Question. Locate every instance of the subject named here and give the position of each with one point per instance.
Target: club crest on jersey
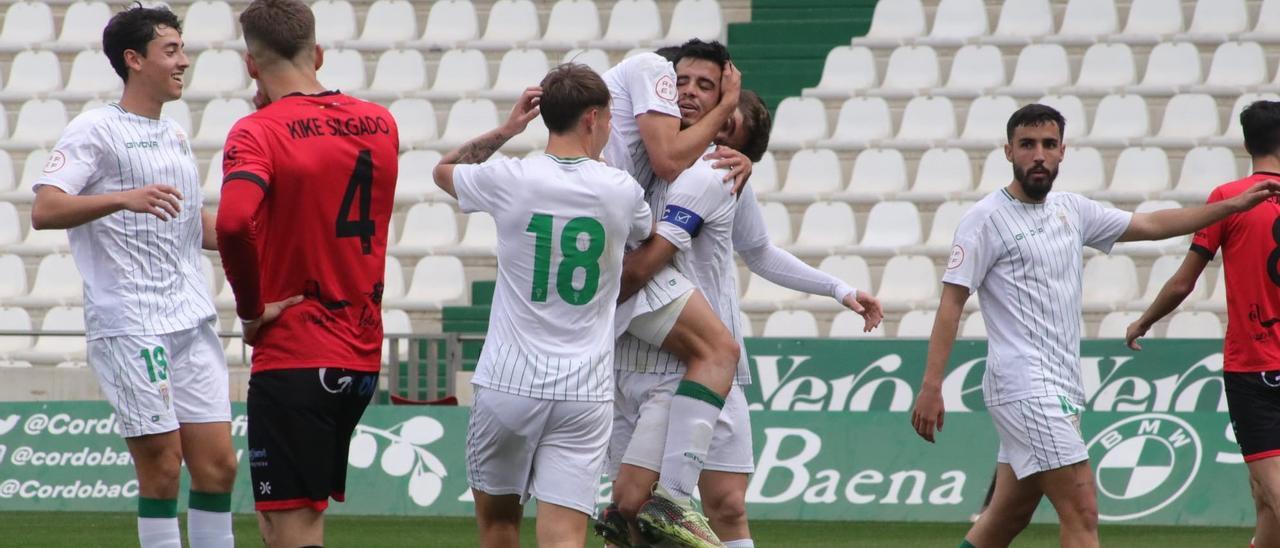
(1144, 463)
(957, 257)
(665, 88)
(57, 160)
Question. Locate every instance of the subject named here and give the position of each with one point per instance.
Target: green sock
(966, 544)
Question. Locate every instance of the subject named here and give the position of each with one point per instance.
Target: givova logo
(403, 453)
(1143, 464)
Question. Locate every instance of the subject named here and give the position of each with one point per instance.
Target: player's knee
(159, 469)
(1082, 514)
(727, 511)
(215, 474)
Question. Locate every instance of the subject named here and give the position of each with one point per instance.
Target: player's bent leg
(724, 499)
(560, 527)
(293, 528)
(498, 518)
(1264, 478)
(1012, 504)
(211, 461)
(1071, 490)
(704, 344)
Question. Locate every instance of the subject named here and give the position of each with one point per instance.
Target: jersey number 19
(572, 259)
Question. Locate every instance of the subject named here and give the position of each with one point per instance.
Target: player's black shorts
(300, 426)
(1253, 400)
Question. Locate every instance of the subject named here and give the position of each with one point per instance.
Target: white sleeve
(1100, 226)
(692, 200)
(641, 226)
(749, 230)
(651, 84)
(74, 159)
(772, 263)
(479, 186)
(973, 252)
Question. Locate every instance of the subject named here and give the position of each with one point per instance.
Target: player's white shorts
(641, 405)
(652, 312)
(155, 382)
(551, 450)
(1038, 434)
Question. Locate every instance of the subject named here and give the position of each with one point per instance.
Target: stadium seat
(908, 281)
(812, 174)
(1039, 66)
(392, 279)
(211, 189)
(217, 24)
(427, 228)
(976, 69)
(942, 172)
(850, 269)
(343, 69)
(335, 21)
(386, 23)
(1217, 300)
(1162, 269)
(1105, 68)
(1189, 118)
(218, 72)
(1118, 120)
(764, 174)
(179, 111)
(1234, 135)
(57, 283)
(1203, 168)
(825, 227)
(893, 22)
(26, 23)
(1171, 67)
(520, 68)
(42, 242)
(877, 173)
(631, 24)
(791, 324)
(437, 280)
(848, 325)
(416, 119)
(51, 349)
(1085, 22)
(1072, 109)
(1175, 245)
(461, 71)
(974, 326)
(595, 58)
(32, 168)
(572, 23)
(956, 21)
(91, 76)
(1139, 172)
(450, 24)
(1115, 324)
(911, 69)
(1268, 27)
(846, 70)
(762, 294)
(32, 72)
(13, 274)
(1214, 21)
(399, 72)
(1150, 21)
(799, 122)
(532, 141)
(10, 225)
(468, 119)
(997, 173)
(942, 232)
(985, 125)
(8, 184)
(1021, 22)
(1081, 171)
(925, 121)
(82, 26)
(416, 182)
(1108, 281)
(1194, 325)
(891, 225)
(695, 19)
(777, 221)
(1235, 65)
(862, 122)
(395, 323)
(511, 22)
(480, 237)
(916, 324)
(40, 123)
(216, 120)
(14, 319)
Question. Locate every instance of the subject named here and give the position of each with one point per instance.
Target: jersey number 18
(573, 258)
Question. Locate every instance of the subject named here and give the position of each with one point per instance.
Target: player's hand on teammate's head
(730, 85)
(524, 111)
(163, 201)
(737, 163)
(867, 306)
(928, 413)
(1135, 331)
(270, 313)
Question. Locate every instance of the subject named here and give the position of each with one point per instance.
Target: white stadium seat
(1139, 172)
(862, 122)
(1217, 300)
(211, 188)
(343, 69)
(427, 228)
(1022, 21)
(1105, 68)
(13, 274)
(975, 70)
(480, 236)
(10, 225)
(572, 23)
(799, 122)
(26, 23)
(1194, 325)
(1203, 168)
(1039, 66)
(416, 119)
(893, 22)
(791, 324)
(14, 319)
(1081, 171)
(461, 71)
(1086, 22)
(926, 120)
(42, 242)
(520, 68)
(511, 22)
(764, 174)
(941, 173)
(33, 72)
(997, 172)
(216, 120)
(57, 283)
(877, 172)
(1234, 136)
(1161, 270)
(180, 112)
(386, 23)
(1151, 20)
(777, 221)
(32, 169)
(631, 24)
(395, 322)
(437, 280)
(399, 72)
(1268, 26)
(850, 269)
(974, 326)
(40, 123)
(812, 173)
(695, 19)
(91, 76)
(218, 72)
(910, 70)
(1118, 120)
(416, 182)
(908, 281)
(392, 279)
(891, 225)
(825, 227)
(762, 294)
(51, 349)
(1108, 281)
(1235, 65)
(595, 58)
(846, 70)
(1072, 109)
(1215, 20)
(82, 25)
(1175, 245)
(955, 21)
(468, 119)
(1115, 324)
(335, 20)
(1170, 67)
(848, 325)
(1189, 118)
(450, 24)
(216, 24)
(942, 232)
(985, 125)
(916, 324)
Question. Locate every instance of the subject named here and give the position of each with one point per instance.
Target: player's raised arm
(481, 148)
(929, 411)
(1167, 223)
(672, 150)
(1171, 295)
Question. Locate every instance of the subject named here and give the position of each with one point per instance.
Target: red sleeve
(245, 156)
(247, 172)
(1208, 239)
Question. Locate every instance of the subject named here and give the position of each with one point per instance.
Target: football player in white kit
(1021, 248)
(123, 180)
(544, 384)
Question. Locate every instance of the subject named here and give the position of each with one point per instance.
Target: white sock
(159, 533)
(740, 543)
(209, 529)
(688, 436)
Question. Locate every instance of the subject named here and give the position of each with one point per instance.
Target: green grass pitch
(60, 530)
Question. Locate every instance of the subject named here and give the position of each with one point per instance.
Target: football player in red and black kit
(1250, 244)
(302, 229)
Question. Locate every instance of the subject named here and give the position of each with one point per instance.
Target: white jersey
(642, 83)
(1024, 260)
(562, 225)
(703, 220)
(142, 275)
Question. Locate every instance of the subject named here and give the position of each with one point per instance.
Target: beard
(1033, 188)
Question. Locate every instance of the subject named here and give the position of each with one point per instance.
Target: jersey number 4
(361, 180)
(573, 257)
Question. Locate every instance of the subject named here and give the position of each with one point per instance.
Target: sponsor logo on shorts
(1143, 464)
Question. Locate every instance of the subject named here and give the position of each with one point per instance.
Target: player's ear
(319, 56)
(251, 65)
(1008, 152)
(133, 59)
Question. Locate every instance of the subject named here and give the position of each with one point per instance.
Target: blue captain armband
(688, 221)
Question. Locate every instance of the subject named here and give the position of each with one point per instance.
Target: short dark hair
(282, 27)
(1261, 124)
(712, 51)
(757, 123)
(670, 53)
(568, 91)
(133, 29)
(1034, 115)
